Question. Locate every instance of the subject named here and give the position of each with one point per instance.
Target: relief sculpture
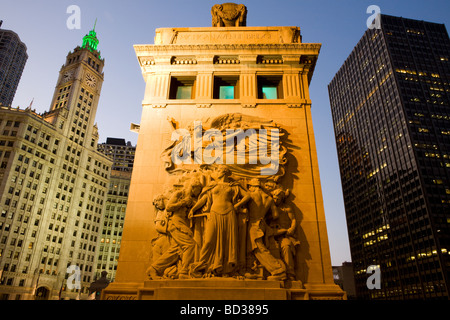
(221, 220)
(228, 132)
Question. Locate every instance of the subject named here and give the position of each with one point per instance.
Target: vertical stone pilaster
(248, 87)
(304, 86)
(291, 86)
(203, 86)
(158, 88)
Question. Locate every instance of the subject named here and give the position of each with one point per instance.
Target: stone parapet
(228, 35)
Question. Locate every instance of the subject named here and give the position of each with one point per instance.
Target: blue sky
(338, 25)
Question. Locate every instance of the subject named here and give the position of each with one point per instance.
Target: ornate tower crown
(90, 40)
(229, 15)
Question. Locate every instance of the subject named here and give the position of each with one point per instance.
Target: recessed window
(182, 88)
(270, 87)
(226, 87)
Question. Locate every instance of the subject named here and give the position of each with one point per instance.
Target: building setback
(13, 56)
(391, 114)
(53, 186)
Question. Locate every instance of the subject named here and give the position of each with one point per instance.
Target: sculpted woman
(219, 252)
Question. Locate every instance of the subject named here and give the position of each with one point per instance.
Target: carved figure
(229, 15)
(259, 208)
(199, 220)
(285, 227)
(162, 241)
(223, 198)
(182, 236)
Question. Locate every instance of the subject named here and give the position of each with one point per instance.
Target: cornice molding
(148, 48)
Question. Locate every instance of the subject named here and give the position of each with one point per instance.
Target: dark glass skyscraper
(13, 56)
(390, 104)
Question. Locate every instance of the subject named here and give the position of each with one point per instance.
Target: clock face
(90, 80)
(67, 76)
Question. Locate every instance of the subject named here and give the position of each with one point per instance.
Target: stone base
(221, 289)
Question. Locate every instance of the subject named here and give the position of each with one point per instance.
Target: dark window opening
(182, 88)
(270, 87)
(226, 87)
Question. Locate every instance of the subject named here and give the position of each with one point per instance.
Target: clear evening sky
(338, 25)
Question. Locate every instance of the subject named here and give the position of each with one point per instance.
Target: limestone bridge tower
(228, 76)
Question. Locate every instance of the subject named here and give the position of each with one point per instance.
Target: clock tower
(77, 91)
(62, 192)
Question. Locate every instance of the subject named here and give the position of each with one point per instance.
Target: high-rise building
(13, 56)
(122, 154)
(390, 104)
(53, 186)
